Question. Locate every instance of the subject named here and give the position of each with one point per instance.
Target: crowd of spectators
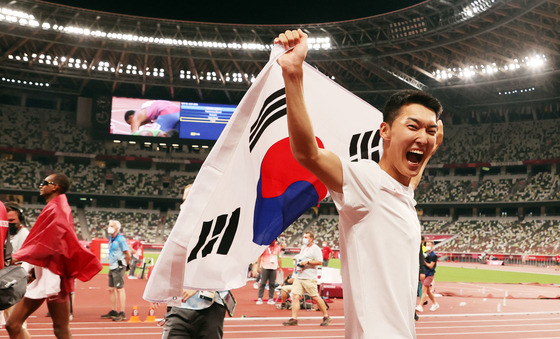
(85, 178)
(141, 224)
(541, 186)
(325, 228)
(20, 175)
(498, 235)
(45, 129)
(32, 212)
(500, 142)
(91, 179)
(507, 235)
(137, 182)
(487, 136)
(292, 236)
(178, 181)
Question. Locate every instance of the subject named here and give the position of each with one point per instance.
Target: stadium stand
(500, 157)
(141, 224)
(498, 235)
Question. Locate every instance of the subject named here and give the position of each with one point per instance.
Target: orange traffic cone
(151, 316)
(135, 318)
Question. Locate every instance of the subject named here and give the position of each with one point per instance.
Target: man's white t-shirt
(379, 241)
(308, 253)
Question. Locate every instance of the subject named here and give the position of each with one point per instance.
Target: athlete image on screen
(161, 114)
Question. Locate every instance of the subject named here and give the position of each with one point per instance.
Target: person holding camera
(119, 263)
(308, 259)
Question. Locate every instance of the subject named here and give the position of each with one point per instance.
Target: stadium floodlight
(24, 19)
(475, 8)
(517, 91)
(535, 61)
(492, 68)
(25, 82)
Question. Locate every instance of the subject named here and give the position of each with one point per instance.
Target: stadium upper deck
(466, 52)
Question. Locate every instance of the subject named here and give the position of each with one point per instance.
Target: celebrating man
(379, 227)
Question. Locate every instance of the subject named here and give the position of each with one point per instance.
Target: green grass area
(153, 255)
(444, 273)
(459, 274)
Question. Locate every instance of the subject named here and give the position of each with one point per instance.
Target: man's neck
(393, 173)
(51, 197)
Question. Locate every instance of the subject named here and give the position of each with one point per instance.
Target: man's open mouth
(415, 156)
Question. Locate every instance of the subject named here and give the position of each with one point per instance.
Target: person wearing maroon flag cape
(53, 248)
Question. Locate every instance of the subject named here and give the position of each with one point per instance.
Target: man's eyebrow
(419, 122)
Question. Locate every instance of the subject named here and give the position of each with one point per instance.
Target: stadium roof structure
(466, 52)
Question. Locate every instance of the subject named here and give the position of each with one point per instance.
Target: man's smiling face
(408, 142)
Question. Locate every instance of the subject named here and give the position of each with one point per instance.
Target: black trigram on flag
(273, 108)
(220, 231)
(365, 146)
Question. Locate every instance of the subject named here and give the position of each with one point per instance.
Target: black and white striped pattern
(274, 107)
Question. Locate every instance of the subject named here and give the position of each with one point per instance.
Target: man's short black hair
(62, 181)
(128, 114)
(407, 97)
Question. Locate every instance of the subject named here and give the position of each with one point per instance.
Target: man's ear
(385, 131)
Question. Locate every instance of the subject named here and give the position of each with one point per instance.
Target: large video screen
(173, 119)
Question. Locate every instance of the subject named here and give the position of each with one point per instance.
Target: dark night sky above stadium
(246, 12)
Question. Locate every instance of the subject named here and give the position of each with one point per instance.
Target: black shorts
(116, 277)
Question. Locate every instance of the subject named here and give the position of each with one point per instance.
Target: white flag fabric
(250, 188)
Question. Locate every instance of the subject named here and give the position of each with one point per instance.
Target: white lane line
(278, 318)
(500, 314)
(307, 336)
(488, 326)
(440, 321)
(447, 334)
(280, 324)
(104, 334)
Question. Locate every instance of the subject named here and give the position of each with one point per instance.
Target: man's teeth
(417, 152)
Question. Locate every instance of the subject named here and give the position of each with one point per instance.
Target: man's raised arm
(325, 165)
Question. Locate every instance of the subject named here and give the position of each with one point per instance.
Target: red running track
(480, 311)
